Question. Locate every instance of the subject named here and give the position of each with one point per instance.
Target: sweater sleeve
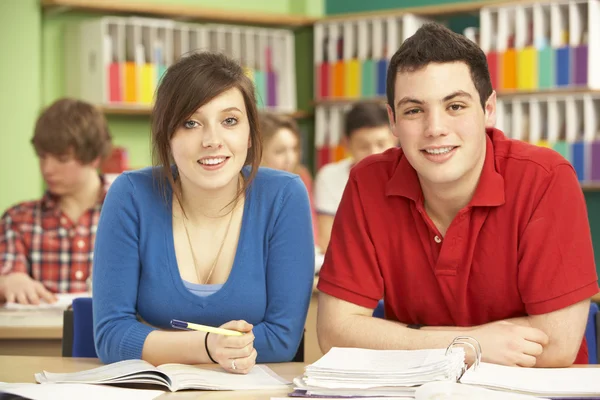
(290, 275)
(116, 273)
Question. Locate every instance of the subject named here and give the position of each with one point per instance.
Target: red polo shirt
(522, 246)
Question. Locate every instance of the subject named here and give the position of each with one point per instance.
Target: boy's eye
(456, 107)
(412, 111)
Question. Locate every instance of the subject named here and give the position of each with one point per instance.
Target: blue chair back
(379, 311)
(83, 328)
(591, 334)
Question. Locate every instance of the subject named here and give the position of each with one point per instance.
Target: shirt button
(79, 275)
(80, 243)
(437, 239)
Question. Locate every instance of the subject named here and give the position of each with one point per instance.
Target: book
(174, 377)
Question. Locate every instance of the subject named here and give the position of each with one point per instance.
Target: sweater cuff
(133, 341)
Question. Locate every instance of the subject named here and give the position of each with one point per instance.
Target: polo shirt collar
(490, 189)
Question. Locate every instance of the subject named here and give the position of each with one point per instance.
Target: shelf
(184, 12)
(333, 101)
(147, 110)
(567, 91)
(504, 94)
(590, 187)
(445, 9)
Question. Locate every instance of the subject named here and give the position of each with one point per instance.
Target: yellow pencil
(175, 323)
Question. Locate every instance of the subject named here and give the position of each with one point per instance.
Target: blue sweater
(135, 269)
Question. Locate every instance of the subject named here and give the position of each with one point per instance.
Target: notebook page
(550, 382)
(456, 391)
(102, 374)
(78, 391)
(189, 376)
(381, 361)
(63, 302)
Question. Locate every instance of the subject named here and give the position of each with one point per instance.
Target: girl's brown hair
(187, 85)
(271, 123)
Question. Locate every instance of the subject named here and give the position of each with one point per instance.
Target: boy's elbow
(557, 358)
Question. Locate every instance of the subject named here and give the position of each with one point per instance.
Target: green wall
(20, 27)
(351, 6)
(32, 77)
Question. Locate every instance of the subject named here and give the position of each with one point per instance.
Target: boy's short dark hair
(434, 43)
(73, 124)
(365, 114)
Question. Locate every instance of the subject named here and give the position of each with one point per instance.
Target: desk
(22, 369)
(31, 332)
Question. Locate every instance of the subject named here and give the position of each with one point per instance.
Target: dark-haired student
(462, 231)
(206, 236)
(46, 245)
(366, 132)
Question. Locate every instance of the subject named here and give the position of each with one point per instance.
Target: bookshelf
(461, 7)
(188, 13)
(504, 94)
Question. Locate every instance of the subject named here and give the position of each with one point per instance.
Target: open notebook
(172, 376)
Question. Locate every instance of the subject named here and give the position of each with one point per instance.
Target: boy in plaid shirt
(46, 245)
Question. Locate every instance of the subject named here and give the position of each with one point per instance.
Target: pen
(175, 323)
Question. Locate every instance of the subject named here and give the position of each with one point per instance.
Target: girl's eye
(190, 124)
(231, 121)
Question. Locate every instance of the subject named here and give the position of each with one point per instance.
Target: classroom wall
(20, 27)
(350, 6)
(33, 78)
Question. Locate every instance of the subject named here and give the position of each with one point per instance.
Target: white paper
(63, 302)
(78, 391)
(550, 382)
(457, 391)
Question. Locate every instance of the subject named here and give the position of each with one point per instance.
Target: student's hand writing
(18, 287)
(507, 343)
(234, 353)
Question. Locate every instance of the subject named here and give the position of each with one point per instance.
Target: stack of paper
(363, 372)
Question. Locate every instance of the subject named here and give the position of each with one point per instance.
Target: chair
(78, 332)
(379, 311)
(592, 333)
(78, 329)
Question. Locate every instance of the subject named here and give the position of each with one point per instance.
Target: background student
(205, 236)
(367, 132)
(281, 150)
(46, 245)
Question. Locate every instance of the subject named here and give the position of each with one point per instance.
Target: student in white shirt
(367, 132)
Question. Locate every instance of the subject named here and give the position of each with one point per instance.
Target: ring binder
(473, 344)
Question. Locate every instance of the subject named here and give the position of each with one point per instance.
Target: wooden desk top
(31, 324)
(23, 368)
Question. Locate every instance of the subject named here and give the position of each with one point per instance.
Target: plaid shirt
(37, 238)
